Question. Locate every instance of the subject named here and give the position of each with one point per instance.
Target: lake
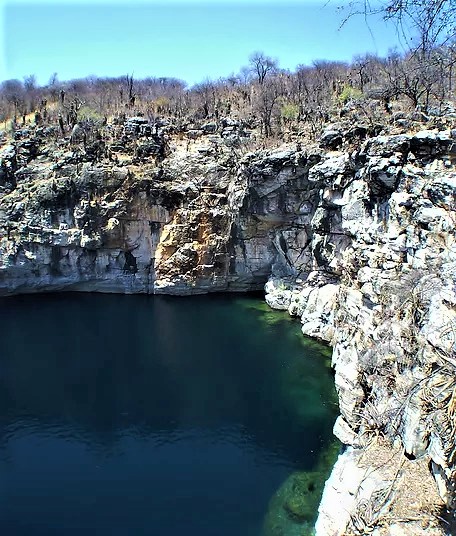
(154, 415)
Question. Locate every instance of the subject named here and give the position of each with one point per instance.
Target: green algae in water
(273, 317)
(304, 394)
(299, 389)
(323, 349)
(294, 507)
(265, 314)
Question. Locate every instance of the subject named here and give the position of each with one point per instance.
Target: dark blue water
(134, 415)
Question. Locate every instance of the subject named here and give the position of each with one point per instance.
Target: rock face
(360, 245)
(382, 292)
(87, 227)
(194, 224)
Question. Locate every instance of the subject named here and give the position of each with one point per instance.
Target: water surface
(135, 415)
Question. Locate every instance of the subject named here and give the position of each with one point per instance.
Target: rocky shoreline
(390, 317)
(358, 242)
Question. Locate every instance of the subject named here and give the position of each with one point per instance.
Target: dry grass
(411, 504)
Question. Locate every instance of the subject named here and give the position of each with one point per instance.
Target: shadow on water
(155, 415)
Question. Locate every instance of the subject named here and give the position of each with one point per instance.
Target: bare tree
(30, 88)
(432, 21)
(206, 96)
(429, 25)
(265, 102)
(131, 93)
(53, 86)
(13, 92)
(72, 110)
(262, 65)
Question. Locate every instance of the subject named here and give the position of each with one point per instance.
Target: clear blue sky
(186, 39)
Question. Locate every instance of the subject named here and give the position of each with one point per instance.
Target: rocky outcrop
(197, 222)
(383, 294)
(358, 243)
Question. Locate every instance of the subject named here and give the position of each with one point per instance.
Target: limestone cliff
(358, 243)
(199, 221)
(383, 294)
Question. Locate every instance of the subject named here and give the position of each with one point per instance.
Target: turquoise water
(135, 415)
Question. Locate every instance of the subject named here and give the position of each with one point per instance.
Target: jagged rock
(358, 494)
(134, 125)
(331, 139)
(317, 311)
(383, 174)
(387, 146)
(209, 128)
(344, 433)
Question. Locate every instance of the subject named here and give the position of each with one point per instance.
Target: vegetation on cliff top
(273, 102)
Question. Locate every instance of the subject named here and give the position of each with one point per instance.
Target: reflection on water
(143, 415)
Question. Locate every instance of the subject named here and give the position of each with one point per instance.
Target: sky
(192, 40)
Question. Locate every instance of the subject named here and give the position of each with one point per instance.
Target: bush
(350, 93)
(89, 115)
(289, 111)
(161, 104)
